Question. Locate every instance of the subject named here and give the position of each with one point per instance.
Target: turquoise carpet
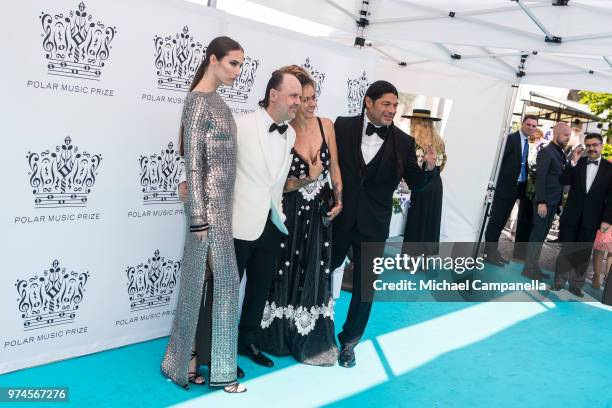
(414, 354)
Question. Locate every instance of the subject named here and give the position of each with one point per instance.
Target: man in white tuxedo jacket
(264, 143)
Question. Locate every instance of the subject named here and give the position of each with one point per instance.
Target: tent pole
(212, 3)
(533, 18)
(362, 22)
(495, 171)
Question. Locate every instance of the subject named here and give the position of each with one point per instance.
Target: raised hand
(430, 157)
(577, 153)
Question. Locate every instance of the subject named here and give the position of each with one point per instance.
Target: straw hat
(421, 114)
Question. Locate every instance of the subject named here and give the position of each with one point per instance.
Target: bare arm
(334, 166)
(293, 184)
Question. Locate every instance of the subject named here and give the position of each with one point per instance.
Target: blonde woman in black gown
(425, 212)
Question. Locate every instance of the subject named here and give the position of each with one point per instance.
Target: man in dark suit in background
(374, 156)
(548, 195)
(588, 207)
(510, 187)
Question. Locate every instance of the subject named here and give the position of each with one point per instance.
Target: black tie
(380, 131)
(595, 162)
(281, 128)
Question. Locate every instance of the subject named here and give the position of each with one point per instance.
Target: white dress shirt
(370, 145)
(276, 145)
(591, 172)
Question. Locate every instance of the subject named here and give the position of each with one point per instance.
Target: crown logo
(177, 58)
(52, 298)
(62, 178)
(356, 89)
(316, 75)
(160, 175)
(240, 90)
(76, 45)
(151, 284)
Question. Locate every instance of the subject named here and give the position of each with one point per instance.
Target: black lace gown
(298, 319)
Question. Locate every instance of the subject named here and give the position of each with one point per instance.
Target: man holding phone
(588, 207)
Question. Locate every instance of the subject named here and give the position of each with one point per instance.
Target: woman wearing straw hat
(425, 213)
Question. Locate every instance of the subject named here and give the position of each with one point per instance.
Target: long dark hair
(375, 91)
(219, 47)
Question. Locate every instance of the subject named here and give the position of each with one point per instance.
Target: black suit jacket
(584, 209)
(368, 190)
(549, 166)
(510, 168)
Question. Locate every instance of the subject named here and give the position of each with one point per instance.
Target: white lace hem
(303, 318)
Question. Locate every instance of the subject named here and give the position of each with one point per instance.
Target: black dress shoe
(239, 372)
(347, 356)
(495, 259)
(496, 255)
(577, 292)
(253, 352)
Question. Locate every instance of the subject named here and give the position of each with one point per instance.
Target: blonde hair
(537, 135)
(425, 133)
(300, 73)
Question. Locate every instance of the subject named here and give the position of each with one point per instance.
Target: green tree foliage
(607, 151)
(599, 103)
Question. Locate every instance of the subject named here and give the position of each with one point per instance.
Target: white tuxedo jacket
(257, 191)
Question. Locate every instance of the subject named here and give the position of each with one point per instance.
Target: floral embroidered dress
(298, 318)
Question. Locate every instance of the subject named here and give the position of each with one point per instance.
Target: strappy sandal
(194, 376)
(235, 388)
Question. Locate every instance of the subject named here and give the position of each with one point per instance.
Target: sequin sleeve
(195, 125)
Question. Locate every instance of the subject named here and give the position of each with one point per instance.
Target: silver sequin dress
(210, 163)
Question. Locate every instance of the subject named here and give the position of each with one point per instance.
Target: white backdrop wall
(472, 134)
(91, 235)
(92, 264)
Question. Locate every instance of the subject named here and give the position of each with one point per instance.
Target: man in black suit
(374, 156)
(510, 187)
(588, 207)
(548, 195)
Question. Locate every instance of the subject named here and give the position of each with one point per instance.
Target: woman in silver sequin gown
(208, 142)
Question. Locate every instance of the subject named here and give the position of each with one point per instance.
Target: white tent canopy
(545, 44)
(473, 52)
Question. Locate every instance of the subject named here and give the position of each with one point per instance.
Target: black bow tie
(281, 128)
(595, 162)
(380, 131)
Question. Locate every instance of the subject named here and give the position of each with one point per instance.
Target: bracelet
(198, 228)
